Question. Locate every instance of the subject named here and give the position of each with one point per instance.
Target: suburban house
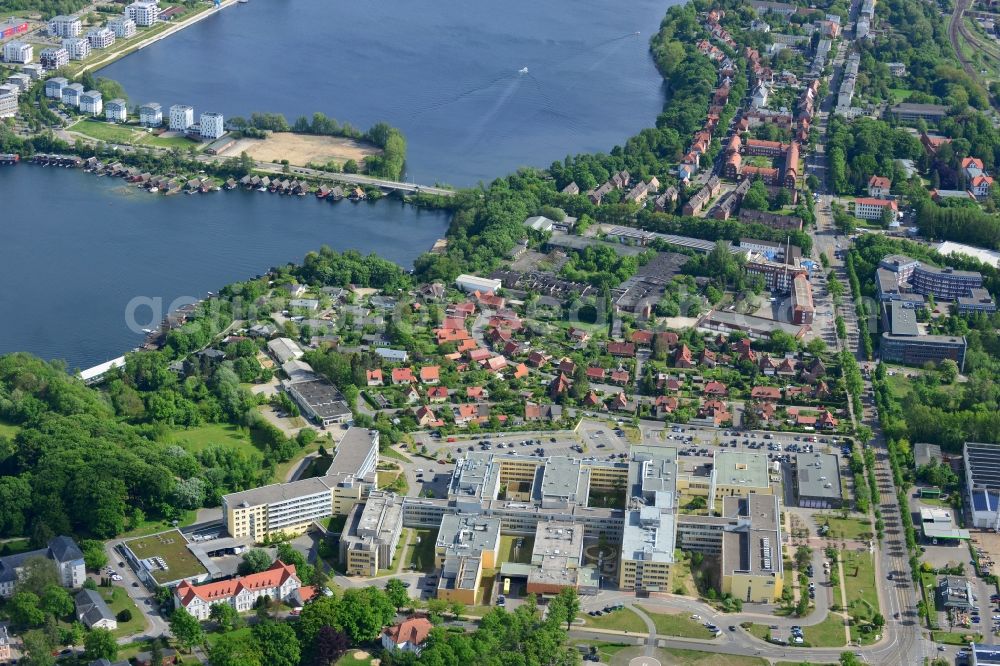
(93, 612)
(409, 635)
(878, 187)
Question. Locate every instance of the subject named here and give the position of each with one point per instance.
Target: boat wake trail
(462, 95)
(480, 127)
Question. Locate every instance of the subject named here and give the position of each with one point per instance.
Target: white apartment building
(8, 105)
(122, 26)
(279, 582)
(77, 48)
(54, 58)
(91, 102)
(18, 52)
(71, 94)
(212, 125)
(54, 87)
(34, 70)
(65, 26)
(21, 81)
(871, 209)
(116, 111)
(151, 115)
(100, 38)
(143, 12)
(181, 117)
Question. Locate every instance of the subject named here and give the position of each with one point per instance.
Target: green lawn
(761, 631)
(508, 552)
(102, 131)
(619, 620)
(201, 437)
(118, 600)
(9, 430)
(15, 546)
(168, 141)
(213, 637)
(349, 660)
(828, 633)
(859, 581)
(955, 637)
(421, 555)
(851, 528)
(605, 651)
(677, 624)
(679, 657)
(393, 453)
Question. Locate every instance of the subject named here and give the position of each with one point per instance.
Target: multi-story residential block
(54, 87)
(279, 582)
(20, 81)
(901, 265)
(71, 94)
(78, 48)
(919, 349)
(151, 115)
(290, 508)
(371, 534)
(116, 111)
(122, 26)
(944, 283)
(978, 300)
(17, 51)
(143, 12)
(62, 550)
(34, 70)
(8, 105)
(212, 124)
(868, 208)
(65, 26)
(91, 102)
(54, 58)
(100, 38)
(181, 117)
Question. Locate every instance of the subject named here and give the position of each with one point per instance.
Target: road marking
(644, 661)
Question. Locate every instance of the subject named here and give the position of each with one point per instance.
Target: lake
(445, 72)
(76, 249)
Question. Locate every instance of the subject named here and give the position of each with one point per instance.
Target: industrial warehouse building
(982, 480)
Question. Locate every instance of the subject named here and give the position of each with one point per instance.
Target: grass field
(761, 631)
(828, 633)
(859, 581)
(118, 600)
(172, 547)
(349, 659)
(102, 131)
(421, 555)
(201, 437)
(9, 429)
(840, 528)
(679, 657)
(619, 620)
(15, 546)
(677, 624)
(955, 637)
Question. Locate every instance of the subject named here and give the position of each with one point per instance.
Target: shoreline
(113, 57)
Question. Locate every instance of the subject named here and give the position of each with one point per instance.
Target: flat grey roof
(741, 468)
(322, 397)
(818, 475)
(903, 320)
(277, 492)
(468, 535)
(754, 547)
(353, 450)
(563, 477)
(743, 321)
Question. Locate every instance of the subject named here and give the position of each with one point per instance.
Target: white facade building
(100, 38)
(181, 117)
(34, 70)
(54, 87)
(21, 81)
(151, 115)
(122, 26)
(469, 283)
(54, 58)
(65, 26)
(8, 105)
(116, 111)
(279, 582)
(143, 12)
(212, 125)
(77, 48)
(871, 209)
(18, 52)
(91, 102)
(71, 94)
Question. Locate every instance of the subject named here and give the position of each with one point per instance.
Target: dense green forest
(47, 8)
